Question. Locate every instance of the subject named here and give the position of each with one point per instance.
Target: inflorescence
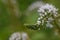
(47, 13)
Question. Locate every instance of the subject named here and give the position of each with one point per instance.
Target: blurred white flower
(41, 17)
(49, 25)
(50, 19)
(38, 28)
(42, 22)
(41, 10)
(15, 36)
(49, 9)
(24, 36)
(35, 5)
(19, 36)
(38, 22)
(45, 14)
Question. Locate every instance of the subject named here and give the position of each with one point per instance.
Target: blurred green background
(9, 23)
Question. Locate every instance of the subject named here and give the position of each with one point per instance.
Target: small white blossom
(38, 22)
(50, 19)
(19, 36)
(15, 36)
(42, 15)
(24, 36)
(35, 5)
(49, 25)
(45, 13)
(42, 22)
(49, 8)
(39, 18)
(41, 10)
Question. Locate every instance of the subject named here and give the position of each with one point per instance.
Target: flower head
(48, 7)
(15, 36)
(19, 36)
(47, 13)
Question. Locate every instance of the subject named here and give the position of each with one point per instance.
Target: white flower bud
(45, 13)
(42, 22)
(38, 22)
(39, 18)
(49, 25)
(50, 19)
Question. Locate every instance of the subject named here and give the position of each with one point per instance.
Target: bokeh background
(14, 14)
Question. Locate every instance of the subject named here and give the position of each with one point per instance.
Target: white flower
(39, 18)
(45, 13)
(49, 25)
(35, 5)
(44, 10)
(41, 14)
(50, 19)
(24, 36)
(49, 8)
(46, 6)
(41, 10)
(19, 36)
(38, 22)
(42, 22)
(15, 36)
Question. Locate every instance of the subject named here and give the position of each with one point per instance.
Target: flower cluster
(49, 8)
(15, 36)
(47, 13)
(18, 36)
(24, 36)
